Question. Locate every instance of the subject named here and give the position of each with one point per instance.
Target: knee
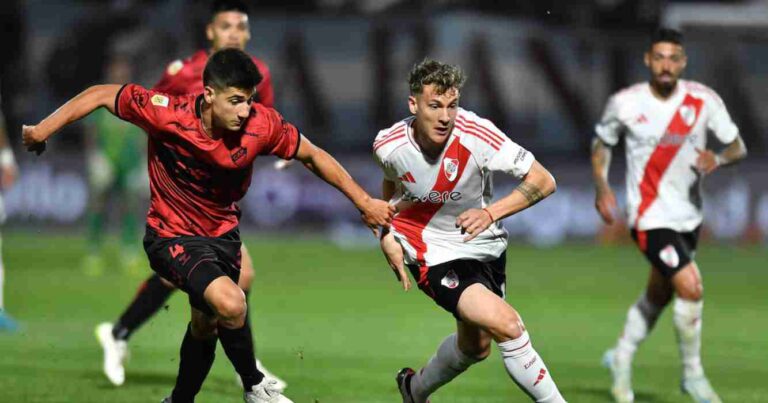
(509, 328)
(692, 293)
(231, 310)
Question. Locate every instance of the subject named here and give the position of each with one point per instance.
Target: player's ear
(647, 59)
(208, 93)
(412, 104)
(209, 32)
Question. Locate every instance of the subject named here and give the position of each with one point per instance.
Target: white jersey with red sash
(432, 193)
(662, 138)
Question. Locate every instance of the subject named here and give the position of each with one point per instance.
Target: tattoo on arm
(531, 192)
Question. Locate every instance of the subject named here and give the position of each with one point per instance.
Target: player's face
(666, 61)
(231, 106)
(229, 29)
(435, 113)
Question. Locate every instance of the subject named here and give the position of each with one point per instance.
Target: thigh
(446, 282)
(480, 307)
(189, 263)
(668, 251)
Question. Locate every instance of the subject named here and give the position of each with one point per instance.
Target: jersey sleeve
(264, 90)
(145, 108)
(510, 158)
(283, 139)
(720, 122)
(609, 128)
(387, 169)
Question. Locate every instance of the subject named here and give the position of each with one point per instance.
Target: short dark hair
(231, 68)
(667, 35)
(220, 6)
(443, 76)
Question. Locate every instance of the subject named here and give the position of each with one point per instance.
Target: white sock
(527, 369)
(687, 320)
(447, 363)
(641, 318)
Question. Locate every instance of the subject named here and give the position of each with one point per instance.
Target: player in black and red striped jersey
(228, 28)
(201, 150)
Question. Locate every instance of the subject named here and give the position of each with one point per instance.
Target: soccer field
(337, 327)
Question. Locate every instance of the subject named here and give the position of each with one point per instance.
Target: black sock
(150, 297)
(238, 345)
(248, 319)
(197, 357)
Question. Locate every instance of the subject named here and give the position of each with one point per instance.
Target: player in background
(437, 169)
(8, 174)
(228, 28)
(116, 160)
(665, 123)
(201, 153)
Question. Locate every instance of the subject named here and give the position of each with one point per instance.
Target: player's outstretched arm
(605, 200)
(537, 185)
(374, 212)
(76, 108)
(708, 161)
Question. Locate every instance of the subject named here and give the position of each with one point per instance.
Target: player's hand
(32, 139)
(472, 222)
(8, 177)
(706, 162)
(393, 251)
(377, 213)
(605, 203)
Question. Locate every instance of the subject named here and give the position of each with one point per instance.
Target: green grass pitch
(337, 327)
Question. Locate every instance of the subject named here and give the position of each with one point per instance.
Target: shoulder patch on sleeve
(174, 67)
(159, 100)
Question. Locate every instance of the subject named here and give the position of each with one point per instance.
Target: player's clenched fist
(32, 139)
(375, 212)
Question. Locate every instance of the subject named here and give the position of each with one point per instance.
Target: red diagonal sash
(674, 137)
(413, 221)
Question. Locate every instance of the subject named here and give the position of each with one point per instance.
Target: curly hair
(443, 76)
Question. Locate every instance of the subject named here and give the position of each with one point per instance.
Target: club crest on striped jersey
(669, 256)
(450, 168)
(451, 280)
(688, 113)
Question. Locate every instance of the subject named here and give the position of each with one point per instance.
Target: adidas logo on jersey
(407, 177)
(641, 119)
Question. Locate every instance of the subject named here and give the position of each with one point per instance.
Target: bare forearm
(733, 153)
(536, 186)
(77, 108)
(601, 162)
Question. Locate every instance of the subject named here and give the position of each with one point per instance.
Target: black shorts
(667, 250)
(445, 282)
(191, 263)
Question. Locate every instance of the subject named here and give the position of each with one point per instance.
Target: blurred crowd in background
(542, 70)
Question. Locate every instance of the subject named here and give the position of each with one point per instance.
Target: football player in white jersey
(665, 123)
(437, 168)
